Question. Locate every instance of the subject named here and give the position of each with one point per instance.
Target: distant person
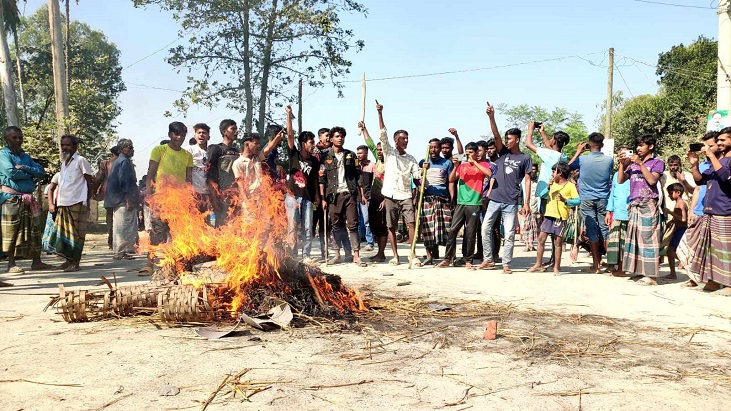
(100, 181)
(679, 217)
(122, 196)
(436, 211)
(642, 247)
(171, 163)
(199, 151)
(72, 211)
(561, 194)
(303, 184)
(401, 170)
(616, 219)
(512, 167)
(339, 175)
(708, 235)
(220, 176)
(19, 231)
(595, 173)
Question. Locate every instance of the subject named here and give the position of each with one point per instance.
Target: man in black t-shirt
(219, 176)
(303, 193)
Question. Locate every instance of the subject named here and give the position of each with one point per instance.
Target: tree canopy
(676, 114)
(96, 83)
(251, 53)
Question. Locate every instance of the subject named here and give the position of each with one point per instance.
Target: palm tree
(9, 20)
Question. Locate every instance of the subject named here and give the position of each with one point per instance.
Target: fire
(250, 247)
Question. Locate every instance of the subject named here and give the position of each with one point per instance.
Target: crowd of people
(627, 209)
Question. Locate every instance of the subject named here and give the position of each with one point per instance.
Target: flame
(249, 247)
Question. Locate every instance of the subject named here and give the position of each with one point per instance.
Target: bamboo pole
(418, 209)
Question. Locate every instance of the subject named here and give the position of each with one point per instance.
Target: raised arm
(368, 140)
(544, 137)
(272, 143)
(460, 148)
(290, 132)
(493, 127)
(529, 140)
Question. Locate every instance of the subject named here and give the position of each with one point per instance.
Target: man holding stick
(401, 168)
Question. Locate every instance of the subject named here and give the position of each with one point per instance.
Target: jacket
(328, 175)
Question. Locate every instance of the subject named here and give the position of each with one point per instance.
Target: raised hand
(379, 106)
(453, 131)
(490, 110)
(693, 158)
(288, 109)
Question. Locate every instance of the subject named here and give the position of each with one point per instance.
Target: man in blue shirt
(699, 194)
(595, 172)
(436, 213)
(19, 227)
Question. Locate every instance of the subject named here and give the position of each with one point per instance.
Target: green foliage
(558, 119)
(250, 53)
(677, 113)
(96, 83)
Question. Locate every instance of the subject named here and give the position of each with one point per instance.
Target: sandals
(723, 292)
(333, 261)
(443, 264)
(486, 265)
(4, 284)
(416, 262)
(689, 284)
(41, 267)
(360, 263)
(144, 272)
(536, 269)
(15, 270)
(635, 278)
(72, 268)
(394, 261)
(427, 262)
(507, 270)
(460, 262)
(646, 281)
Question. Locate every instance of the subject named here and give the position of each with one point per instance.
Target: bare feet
(689, 284)
(535, 268)
(556, 272)
(672, 276)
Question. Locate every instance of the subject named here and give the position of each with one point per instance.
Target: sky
(549, 54)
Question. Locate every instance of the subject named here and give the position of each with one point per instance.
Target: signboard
(718, 120)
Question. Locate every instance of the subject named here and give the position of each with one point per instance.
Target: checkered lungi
(71, 225)
(705, 250)
(20, 229)
(436, 218)
(642, 244)
(615, 247)
(530, 230)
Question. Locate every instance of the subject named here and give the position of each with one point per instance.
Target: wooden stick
(362, 102)
(214, 393)
(418, 212)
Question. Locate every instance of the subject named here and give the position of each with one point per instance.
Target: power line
(624, 81)
(155, 52)
(441, 73)
(693, 74)
(676, 5)
(152, 87)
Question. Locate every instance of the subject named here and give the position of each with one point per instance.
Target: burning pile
(251, 272)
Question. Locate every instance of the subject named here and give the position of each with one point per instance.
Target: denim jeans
(299, 223)
(364, 226)
(593, 212)
(508, 213)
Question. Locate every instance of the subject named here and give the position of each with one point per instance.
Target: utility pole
(61, 92)
(723, 81)
(299, 109)
(610, 86)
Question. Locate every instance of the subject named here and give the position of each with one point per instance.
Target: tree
(93, 96)
(557, 119)
(676, 114)
(251, 53)
(9, 19)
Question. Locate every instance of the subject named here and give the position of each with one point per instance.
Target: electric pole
(723, 81)
(610, 86)
(61, 92)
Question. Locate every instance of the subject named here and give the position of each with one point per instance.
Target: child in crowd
(680, 219)
(562, 193)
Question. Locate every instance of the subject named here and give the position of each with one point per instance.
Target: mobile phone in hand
(696, 147)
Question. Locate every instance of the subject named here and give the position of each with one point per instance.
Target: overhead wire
(624, 81)
(675, 4)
